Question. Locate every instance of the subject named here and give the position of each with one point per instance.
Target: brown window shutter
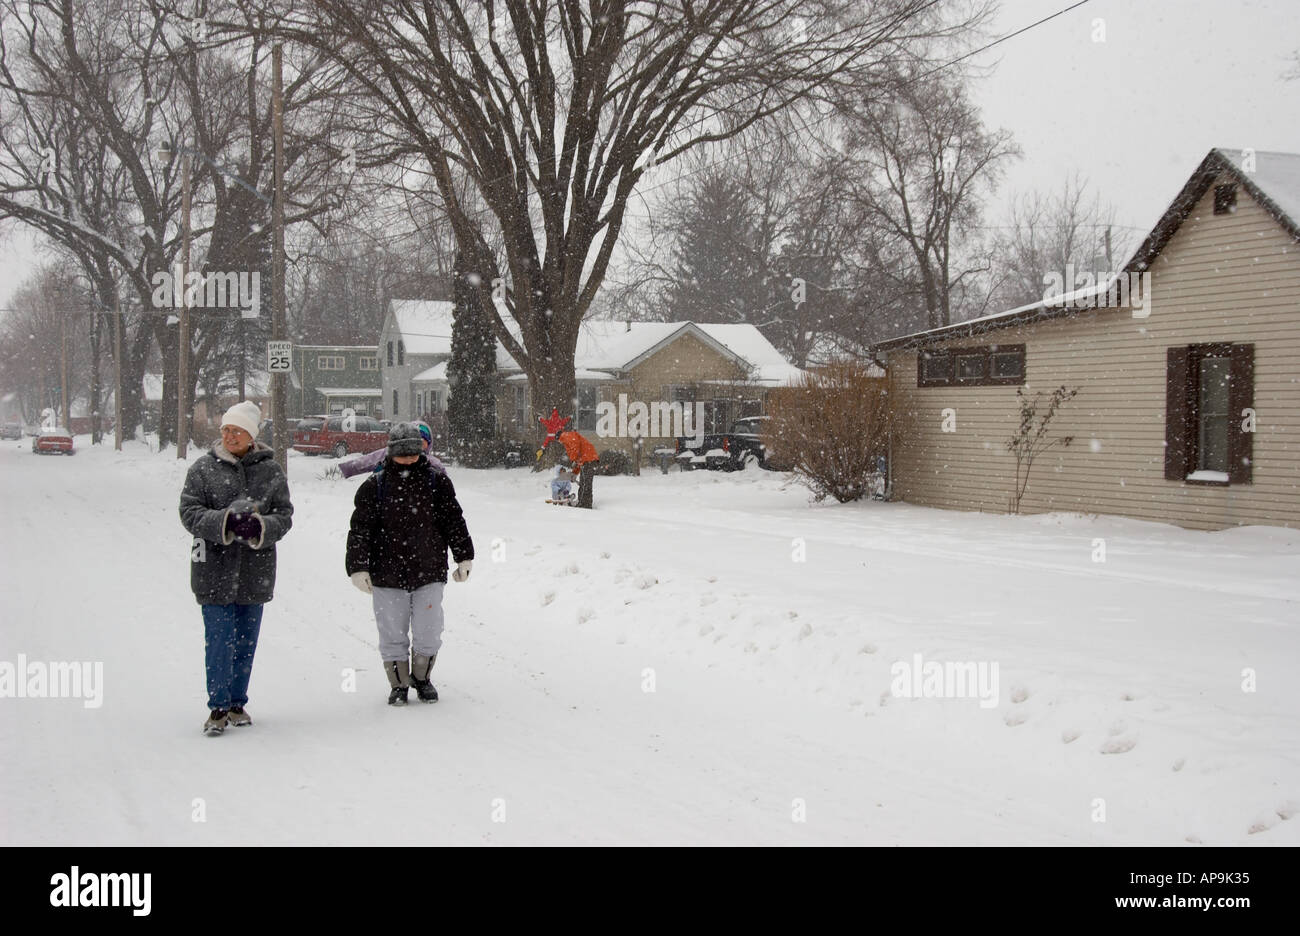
(1241, 395)
(1178, 441)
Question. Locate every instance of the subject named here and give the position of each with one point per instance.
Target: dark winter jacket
(405, 519)
(222, 569)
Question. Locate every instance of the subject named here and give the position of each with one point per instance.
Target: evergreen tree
(718, 271)
(471, 410)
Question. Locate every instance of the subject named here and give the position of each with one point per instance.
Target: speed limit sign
(278, 356)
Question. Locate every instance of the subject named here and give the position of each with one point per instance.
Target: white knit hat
(245, 415)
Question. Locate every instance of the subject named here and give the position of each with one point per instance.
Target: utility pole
(117, 376)
(279, 331)
(243, 352)
(1110, 261)
(183, 340)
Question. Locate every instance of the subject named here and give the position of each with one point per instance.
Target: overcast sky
(1134, 114)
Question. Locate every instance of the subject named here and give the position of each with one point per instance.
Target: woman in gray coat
(236, 506)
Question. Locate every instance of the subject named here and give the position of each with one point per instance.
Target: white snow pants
(408, 621)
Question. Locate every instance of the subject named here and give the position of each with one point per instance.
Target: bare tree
(47, 320)
(555, 109)
(1045, 234)
(921, 162)
(113, 82)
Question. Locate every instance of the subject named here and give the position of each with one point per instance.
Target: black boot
(421, 666)
(399, 676)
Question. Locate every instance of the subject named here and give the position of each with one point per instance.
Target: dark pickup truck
(728, 451)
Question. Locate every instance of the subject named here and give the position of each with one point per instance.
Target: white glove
(462, 570)
(362, 581)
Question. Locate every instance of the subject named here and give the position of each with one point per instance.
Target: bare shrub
(830, 427)
(1031, 440)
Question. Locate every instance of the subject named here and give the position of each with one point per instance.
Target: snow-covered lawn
(664, 669)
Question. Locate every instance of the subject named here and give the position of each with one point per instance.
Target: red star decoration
(554, 426)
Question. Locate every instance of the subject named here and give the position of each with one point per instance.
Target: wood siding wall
(1221, 278)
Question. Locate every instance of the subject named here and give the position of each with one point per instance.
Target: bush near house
(831, 426)
(510, 453)
(614, 462)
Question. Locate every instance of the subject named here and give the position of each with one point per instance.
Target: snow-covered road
(704, 659)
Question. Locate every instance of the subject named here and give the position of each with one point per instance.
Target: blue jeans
(229, 642)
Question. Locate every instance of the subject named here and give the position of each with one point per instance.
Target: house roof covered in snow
(608, 349)
(1273, 181)
(350, 391)
(425, 326)
(437, 372)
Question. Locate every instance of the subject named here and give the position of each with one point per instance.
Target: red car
(57, 439)
(317, 435)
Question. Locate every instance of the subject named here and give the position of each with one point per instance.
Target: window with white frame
(331, 362)
(370, 363)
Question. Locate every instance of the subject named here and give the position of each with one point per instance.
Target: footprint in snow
(868, 648)
(706, 600)
(1179, 764)
(1015, 718)
(1118, 745)
(1019, 694)
(1262, 823)
(547, 598)
(1070, 734)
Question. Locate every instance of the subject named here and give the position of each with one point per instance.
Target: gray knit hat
(405, 439)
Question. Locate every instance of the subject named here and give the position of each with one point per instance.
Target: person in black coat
(236, 505)
(405, 518)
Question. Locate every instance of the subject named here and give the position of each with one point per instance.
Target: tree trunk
(96, 424)
(167, 339)
(554, 387)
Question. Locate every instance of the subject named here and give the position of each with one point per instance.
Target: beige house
(727, 369)
(1188, 405)
(723, 372)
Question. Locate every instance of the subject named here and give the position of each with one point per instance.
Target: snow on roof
(747, 342)
(613, 346)
(437, 372)
(1051, 303)
(578, 374)
(425, 326)
(1277, 175)
(603, 346)
(350, 391)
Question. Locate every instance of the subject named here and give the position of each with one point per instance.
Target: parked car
(712, 452)
(53, 440)
(745, 440)
(11, 431)
(316, 435)
(729, 451)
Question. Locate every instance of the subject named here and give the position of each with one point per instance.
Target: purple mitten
(246, 527)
